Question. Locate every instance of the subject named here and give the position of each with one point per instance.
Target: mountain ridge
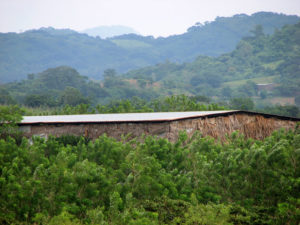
(36, 50)
(259, 59)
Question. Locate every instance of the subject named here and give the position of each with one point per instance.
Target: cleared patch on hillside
(283, 100)
(258, 80)
(271, 101)
(273, 65)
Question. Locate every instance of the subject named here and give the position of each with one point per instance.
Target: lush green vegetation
(64, 85)
(9, 118)
(172, 103)
(212, 38)
(63, 90)
(71, 180)
(258, 58)
(37, 50)
(179, 103)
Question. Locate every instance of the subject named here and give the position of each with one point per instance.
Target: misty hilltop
(36, 50)
(109, 31)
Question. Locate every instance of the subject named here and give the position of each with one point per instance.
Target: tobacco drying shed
(217, 124)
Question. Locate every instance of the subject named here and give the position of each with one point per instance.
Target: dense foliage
(36, 50)
(65, 86)
(180, 103)
(71, 100)
(10, 116)
(70, 180)
(211, 38)
(257, 58)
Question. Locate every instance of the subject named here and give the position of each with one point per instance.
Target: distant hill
(257, 59)
(36, 50)
(212, 38)
(109, 31)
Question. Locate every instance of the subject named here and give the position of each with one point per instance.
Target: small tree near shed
(9, 118)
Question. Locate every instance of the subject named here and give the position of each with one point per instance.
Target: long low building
(217, 124)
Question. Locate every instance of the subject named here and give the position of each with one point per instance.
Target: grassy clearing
(233, 84)
(273, 65)
(261, 103)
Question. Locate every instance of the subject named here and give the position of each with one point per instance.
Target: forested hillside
(37, 50)
(258, 59)
(211, 38)
(64, 85)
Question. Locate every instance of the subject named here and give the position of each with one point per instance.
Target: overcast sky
(148, 17)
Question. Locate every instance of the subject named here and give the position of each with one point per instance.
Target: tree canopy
(71, 180)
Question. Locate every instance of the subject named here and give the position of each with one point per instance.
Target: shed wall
(95, 130)
(251, 126)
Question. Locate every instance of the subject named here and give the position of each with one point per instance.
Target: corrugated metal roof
(119, 117)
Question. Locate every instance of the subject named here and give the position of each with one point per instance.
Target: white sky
(148, 17)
